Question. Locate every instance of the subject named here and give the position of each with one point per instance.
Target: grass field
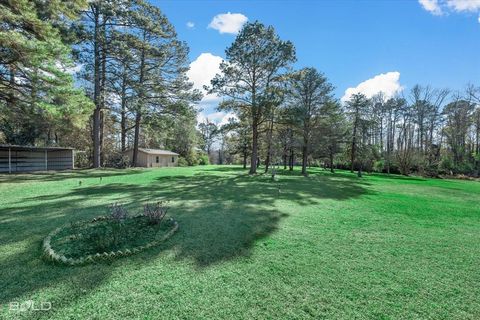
(326, 246)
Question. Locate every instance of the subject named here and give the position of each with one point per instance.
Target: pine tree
(308, 92)
(253, 67)
(357, 108)
(36, 87)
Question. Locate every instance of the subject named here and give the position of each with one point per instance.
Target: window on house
(157, 160)
(173, 159)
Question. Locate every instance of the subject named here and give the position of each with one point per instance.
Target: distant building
(150, 158)
(14, 158)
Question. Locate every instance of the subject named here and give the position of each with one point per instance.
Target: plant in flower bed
(116, 234)
(155, 212)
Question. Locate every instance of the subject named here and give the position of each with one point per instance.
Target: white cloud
(201, 117)
(464, 5)
(388, 83)
(202, 70)
(226, 118)
(228, 22)
(431, 6)
(439, 7)
(190, 25)
(220, 118)
(71, 69)
(75, 69)
(215, 117)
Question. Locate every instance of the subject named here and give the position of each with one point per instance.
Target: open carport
(15, 158)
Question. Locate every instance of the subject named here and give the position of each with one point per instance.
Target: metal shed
(14, 158)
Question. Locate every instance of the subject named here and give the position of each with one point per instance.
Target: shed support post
(9, 160)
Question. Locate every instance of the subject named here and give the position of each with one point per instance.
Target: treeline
(285, 117)
(131, 90)
(425, 131)
(103, 76)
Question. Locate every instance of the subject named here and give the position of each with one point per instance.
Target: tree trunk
(102, 130)
(292, 159)
(96, 138)
(267, 162)
(244, 159)
(138, 118)
(269, 146)
(274, 171)
(388, 164)
(381, 134)
(123, 124)
(11, 93)
(477, 144)
(304, 156)
(331, 162)
(96, 92)
(253, 161)
(354, 145)
(103, 78)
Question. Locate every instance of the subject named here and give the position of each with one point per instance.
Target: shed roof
(14, 147)
(158, 151)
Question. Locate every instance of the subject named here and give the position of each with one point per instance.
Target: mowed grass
(325, 246)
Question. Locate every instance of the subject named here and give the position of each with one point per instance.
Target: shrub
(378, 166)
(446, 165)
(465, 167)
(117, 160)
(117, 212)
(155, 212)
(203, 160)
(81, 159)
(114, 232)
(182, 162)
(431, 170)
(191, 158)
(316, 163)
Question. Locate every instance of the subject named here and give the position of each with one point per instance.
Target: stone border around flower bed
(51, 255)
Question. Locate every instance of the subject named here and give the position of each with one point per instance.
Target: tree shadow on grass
(25, 274)
(67, 174)
(23, 270)
(218, 233)
(221, 215)
(226, 168)
(398, 177)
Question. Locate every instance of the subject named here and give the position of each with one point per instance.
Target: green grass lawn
(326, 246)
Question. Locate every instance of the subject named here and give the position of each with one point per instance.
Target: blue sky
(430, 42)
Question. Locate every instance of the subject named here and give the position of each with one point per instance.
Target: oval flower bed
(102, 239)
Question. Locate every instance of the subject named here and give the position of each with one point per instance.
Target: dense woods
(104, 76)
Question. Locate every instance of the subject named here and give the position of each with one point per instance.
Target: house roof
(158, 151)
(13, 147)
